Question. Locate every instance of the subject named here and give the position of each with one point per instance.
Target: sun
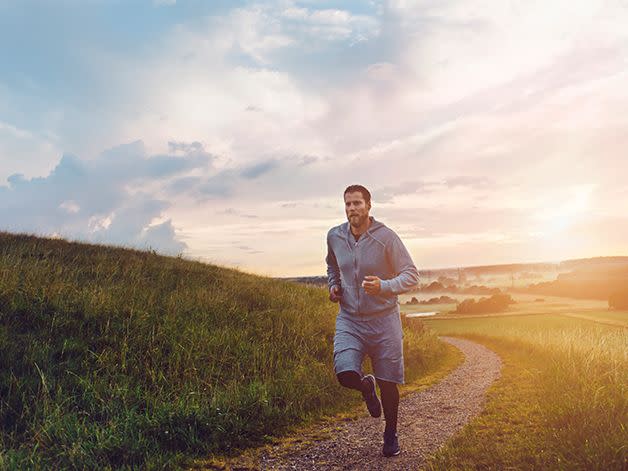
(556, 220)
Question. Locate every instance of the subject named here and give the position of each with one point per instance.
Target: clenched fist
(372, 284)
(335, 293)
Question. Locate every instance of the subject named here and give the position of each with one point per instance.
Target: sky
(226, 131)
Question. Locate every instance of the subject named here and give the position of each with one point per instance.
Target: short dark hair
(365, 193)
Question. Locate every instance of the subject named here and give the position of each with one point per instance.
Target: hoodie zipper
(355, 270)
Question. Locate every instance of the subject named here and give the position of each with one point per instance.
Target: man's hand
(335, 293)
(372, 284)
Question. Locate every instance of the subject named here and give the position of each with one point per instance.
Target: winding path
(426, 420)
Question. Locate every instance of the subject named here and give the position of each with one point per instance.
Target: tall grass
(117, 358)
(577, 386)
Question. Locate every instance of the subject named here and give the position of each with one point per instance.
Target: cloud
(248, 250)
(70, 206)
(470, 182)
(260, 168)
(188, 148)
(16, 132)
(330, 24)
(307, 160)
(266, 179)
(182, 184)
(221, 185)
(162, 237)
(388, 193)
(24, 151)
(101, 199)
(234, 212)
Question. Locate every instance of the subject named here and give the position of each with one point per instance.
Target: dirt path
(426, 420)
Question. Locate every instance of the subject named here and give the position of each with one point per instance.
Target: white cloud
(328, 24)
(70, 206)
(193, 91)
(24, 151)
(101, 199)
(15, 131)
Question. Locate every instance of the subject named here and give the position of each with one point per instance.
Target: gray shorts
(380, 338)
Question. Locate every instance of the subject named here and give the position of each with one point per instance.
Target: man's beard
(357, 221)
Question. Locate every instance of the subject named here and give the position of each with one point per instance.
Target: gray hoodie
(379, 252)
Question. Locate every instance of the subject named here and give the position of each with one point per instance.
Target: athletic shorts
(380, 338)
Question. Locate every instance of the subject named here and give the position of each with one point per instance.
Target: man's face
(356, 208)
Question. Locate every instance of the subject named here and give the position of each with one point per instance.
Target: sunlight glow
(555, 220)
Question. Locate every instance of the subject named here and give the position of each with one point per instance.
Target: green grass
(562, 400)
(113, 358)
(324, 428)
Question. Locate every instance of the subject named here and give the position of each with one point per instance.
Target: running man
(367, 267)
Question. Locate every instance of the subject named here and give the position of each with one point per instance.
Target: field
(562, 400)
(116, 359)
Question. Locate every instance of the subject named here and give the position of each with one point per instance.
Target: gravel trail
(426, 420)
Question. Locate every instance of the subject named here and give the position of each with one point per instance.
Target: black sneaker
(370, 396)
(391, 445)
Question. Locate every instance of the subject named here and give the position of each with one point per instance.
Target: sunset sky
(488, 131)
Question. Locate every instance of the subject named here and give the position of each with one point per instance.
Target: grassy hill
(117, 358)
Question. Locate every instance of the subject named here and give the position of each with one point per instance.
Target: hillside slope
(111, 357)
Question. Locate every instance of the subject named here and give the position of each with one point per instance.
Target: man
(367, 267)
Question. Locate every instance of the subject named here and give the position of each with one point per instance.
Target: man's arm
(333, 274)
(407, 276)
(333, 271)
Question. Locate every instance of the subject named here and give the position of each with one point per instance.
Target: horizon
(466, 267)
(322, 274)
(488, 134)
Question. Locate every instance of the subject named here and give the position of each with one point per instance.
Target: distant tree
(446, 300)
(468, 306)
(434, 286)
(496, 303)
(440, 300)
(445, 280)
(481, 290)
